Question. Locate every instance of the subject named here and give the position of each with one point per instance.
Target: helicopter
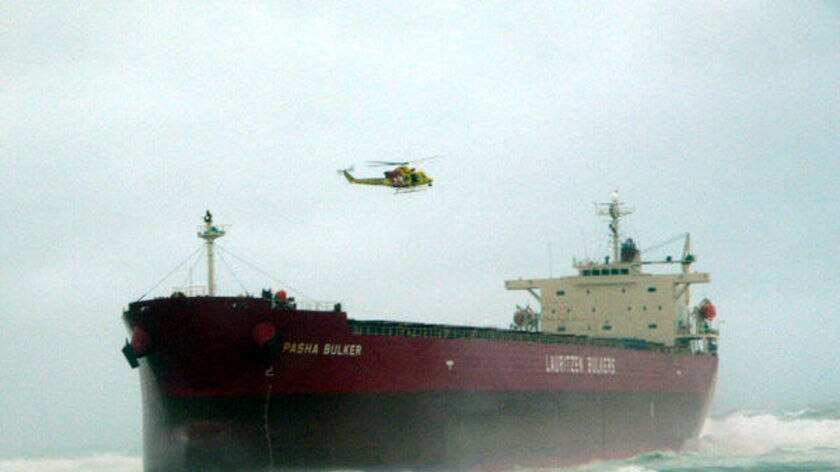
(403, 178)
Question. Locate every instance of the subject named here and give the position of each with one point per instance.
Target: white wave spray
(806, 440)
(754, 434)
(93, 463)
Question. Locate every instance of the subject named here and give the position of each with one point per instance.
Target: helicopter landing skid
(401, 191)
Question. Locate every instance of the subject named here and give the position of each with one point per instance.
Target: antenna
(210, 234)
(550, 262)
(687, 260)
(615, 210)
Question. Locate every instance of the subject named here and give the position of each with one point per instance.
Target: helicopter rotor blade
(401, 163)
(429, 158)
(386, 163)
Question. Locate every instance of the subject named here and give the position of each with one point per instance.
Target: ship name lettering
(562, 364)
(600, 365)
(329, 349)
(559, 363)
(342, 350)
(300, 348)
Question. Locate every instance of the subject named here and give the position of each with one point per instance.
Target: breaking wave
(757, 433)
(805, 440)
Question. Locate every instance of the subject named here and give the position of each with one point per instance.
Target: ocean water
(804, 440)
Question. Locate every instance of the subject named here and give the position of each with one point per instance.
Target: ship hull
(332, 398)
(490, 431)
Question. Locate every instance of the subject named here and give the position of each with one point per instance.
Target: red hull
(332, 398)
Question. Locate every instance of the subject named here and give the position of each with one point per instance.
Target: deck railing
(416, 330)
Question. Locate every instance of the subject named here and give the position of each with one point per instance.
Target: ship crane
(687, 257)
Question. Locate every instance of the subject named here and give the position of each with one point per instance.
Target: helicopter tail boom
(347, 175)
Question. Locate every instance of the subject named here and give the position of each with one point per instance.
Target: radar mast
(615, 210)
(210, 233)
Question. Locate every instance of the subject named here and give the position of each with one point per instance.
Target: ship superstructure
(616, 298)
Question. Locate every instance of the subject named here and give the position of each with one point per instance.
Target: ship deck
(424, 330)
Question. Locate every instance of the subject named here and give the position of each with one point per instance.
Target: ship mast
(210, 234)
(615, 210)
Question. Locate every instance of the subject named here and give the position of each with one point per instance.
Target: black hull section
(488, 430)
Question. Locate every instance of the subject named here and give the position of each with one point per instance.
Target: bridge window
(560, 293)
(652, 326)
(561, 329)
(587, 273)
(614, 271)
(625, 271)
(607, 327)
(651, 289)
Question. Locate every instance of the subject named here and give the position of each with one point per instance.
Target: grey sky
(122, 123)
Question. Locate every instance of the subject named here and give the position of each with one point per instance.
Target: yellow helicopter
(402, 177)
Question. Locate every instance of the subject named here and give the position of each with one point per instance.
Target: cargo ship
(616, 361)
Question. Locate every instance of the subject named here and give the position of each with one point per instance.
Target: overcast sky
(122, 122)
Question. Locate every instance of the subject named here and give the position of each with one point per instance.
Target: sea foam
(93, 463)
(808, 439)
(752, 434)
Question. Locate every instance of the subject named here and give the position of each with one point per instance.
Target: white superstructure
(617, 299)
